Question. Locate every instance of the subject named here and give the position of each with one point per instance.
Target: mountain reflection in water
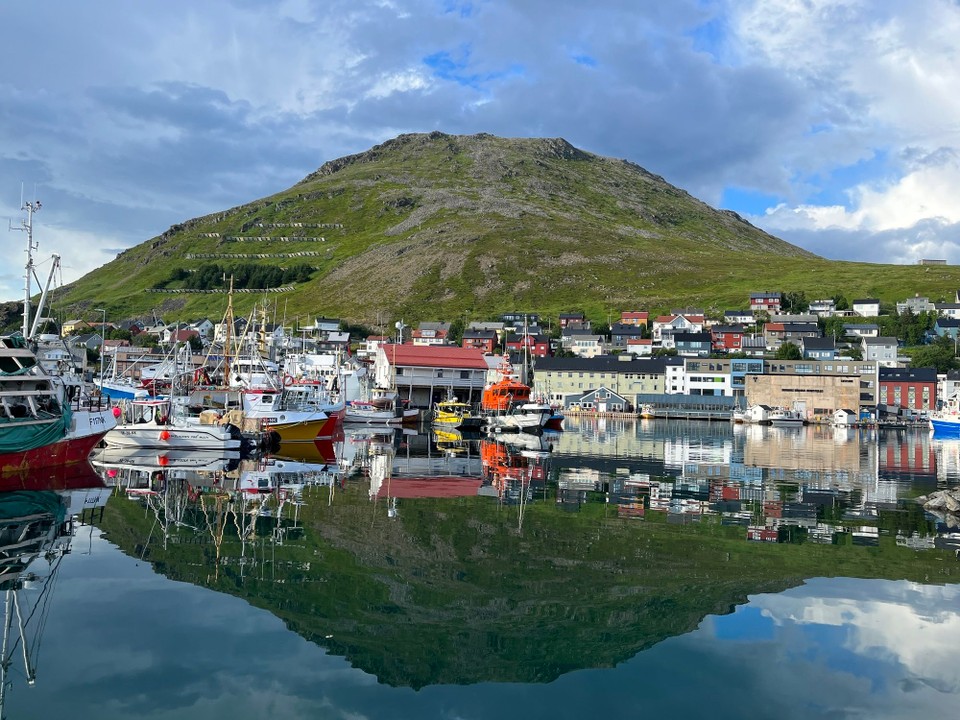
(602, 570)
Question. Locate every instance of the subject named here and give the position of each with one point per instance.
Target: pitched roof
(442, 356)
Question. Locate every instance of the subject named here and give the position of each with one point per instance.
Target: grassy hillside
(438, 226)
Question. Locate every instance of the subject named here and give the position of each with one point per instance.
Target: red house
(727, 338)
(767, 301)
(908, 388)
(483, 340)
(538, 345)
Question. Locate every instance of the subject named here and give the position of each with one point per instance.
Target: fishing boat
(147, 459)
(455, 414)
(149, 423)
(785, 417)
(369, 413)
(946, 421)
(290, 415)
(43, 420)
(46, 416)
(506, 404)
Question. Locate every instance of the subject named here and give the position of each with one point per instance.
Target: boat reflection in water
(435, 559)
(40, 511)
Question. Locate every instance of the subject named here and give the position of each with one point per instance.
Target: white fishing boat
(785, 417)
(149, 424)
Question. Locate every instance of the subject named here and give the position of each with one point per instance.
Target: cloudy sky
(834, 124)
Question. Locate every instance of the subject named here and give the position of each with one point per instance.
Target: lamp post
(103, 340)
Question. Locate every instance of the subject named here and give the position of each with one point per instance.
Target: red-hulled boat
(44, 422)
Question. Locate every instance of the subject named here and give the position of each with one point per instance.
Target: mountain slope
(439, 226)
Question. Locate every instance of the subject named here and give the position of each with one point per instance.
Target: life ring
(287, 380)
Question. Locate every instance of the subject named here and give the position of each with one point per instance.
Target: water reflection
(429, 560)
(41, 512)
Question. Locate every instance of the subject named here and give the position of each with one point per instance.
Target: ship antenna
(27, 226)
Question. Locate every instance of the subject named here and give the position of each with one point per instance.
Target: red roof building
(423, 375)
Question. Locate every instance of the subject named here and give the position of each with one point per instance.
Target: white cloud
(846, 110)
(914, 626)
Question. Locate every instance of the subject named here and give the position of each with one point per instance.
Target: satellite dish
(398, 324)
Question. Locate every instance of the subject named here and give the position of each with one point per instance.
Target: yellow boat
(455, 414)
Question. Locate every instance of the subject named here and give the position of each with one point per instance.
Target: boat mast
(27, 226)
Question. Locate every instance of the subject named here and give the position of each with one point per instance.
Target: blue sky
(834, 124)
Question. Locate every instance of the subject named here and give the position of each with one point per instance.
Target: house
(867, 307)
(623, 333)
(908, 388)
(204, 329)
(727, 338)
(367, 349)
(424, 374)
(861, 329)
(431, 333)
(882, 350)
(641, 347)
(483, 340)
(586, 345)
(178, 333)
(845, 418)
(776, 334)
(669, 324)
(819, 348)
(753, 345)
(322, 325)
(537, 345)
(915, 305)
(946, 327)
(692, 344)
(768, 302)
(134, 327)
(950, 310)
(573, 317)
(332, 342)
(600, 401)
(634, 318)
(823, 308)
(89, 341)
(948, 385)
(739, 317)
(518, 320)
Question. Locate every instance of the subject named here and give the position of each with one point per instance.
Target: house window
(399, 371)
(464, 374)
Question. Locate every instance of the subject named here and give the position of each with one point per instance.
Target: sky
(833, 124)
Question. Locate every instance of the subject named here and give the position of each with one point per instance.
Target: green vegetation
(460, 591)
(435, 227)
(246, 275)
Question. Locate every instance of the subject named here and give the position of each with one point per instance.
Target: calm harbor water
(605, 571)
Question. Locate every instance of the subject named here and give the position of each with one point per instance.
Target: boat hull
(304, 431)
(171, 437)
(68, 451)
(945, 427)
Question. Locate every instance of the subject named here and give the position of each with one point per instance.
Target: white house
(823, 307)
(586, 345)
(667, 324)
(867, 307)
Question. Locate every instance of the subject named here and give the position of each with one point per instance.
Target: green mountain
(435, 226)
